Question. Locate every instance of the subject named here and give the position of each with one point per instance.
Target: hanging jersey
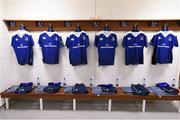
(163, 43)
(50, 43)
(106, 42)
(22, 43)
(77, 42)
(134, 43)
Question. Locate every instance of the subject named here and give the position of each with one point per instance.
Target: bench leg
(74, 104)
(179, 107)
(109, 105)
(143, 105)
(41, 103)
(7, 103)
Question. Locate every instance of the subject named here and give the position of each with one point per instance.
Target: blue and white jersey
(106, 42)
(22, 42)
(163, 43)
(50, 42)
(77, 42)
(134, 43)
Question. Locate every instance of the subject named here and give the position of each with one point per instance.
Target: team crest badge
(141, 38)
(56, 38)
(26, 38)
(72, 39)
(129, 38)
(16, 39)
(44, 38)
(84, 37)
(170, 39)
(113, 39)
(100, 39)
(159, 37)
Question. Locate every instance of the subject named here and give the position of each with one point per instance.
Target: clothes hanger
(165, 27)
(106, 28)
(78, 28)
(135, 28)
(22, 27)
(50, 28)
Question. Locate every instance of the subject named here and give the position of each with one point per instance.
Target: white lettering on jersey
(79, 46)
(22, 46)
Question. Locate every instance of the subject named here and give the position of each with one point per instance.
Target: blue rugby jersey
(163, 43)
(106, 43)
(23, 47)
(134, 43)
(77, 43)
(50, 45)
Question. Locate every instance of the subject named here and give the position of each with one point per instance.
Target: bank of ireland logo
(78, 44)
(21, 45)
(163, 44)
(107, 45)
(49, 43)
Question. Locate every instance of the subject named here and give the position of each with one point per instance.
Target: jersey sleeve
(124, 43)
(153, 42)
(96, 41)
(145, 41)
(175, 41)
(31, 42)
(68, 44)
(12, 41)
(40, 41)
(61, 44)
(116, 43)
(87, 41)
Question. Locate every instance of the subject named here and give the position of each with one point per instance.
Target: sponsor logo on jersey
(163, 44)
(100, 39)
(129, 38)
(50, 43)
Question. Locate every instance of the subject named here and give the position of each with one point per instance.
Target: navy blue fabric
(139, 90)
(163, 46)
(77, 48)
(162, 84)
(24, 88)
(106, 48)
(23, 47)
(79, 89)
(108, 88)
(167, 88)
(52, 87)
(134, 46)
(50, 46)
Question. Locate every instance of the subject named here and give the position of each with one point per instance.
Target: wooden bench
(90, 96)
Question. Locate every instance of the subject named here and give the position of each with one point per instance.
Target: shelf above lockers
(92, 25)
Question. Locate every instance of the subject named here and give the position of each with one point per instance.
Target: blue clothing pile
(79, 89)
(139, 90)
(24, 88)
(52, 87)
(104, 89)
